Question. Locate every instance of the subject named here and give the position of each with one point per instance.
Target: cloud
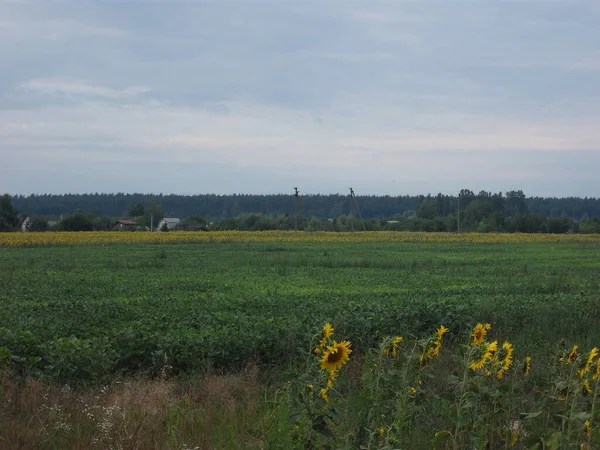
(73, 87)
(434, 93)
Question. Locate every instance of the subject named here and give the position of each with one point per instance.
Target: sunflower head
(335, 356)
(442, 330)
(527, 366)
(587, 389)
(483, 354)
(586, 366)
(324, 394)
(587, 428)
(397, 340)
(573, 354)
(479, 332)
(504, 359)
(325, 335)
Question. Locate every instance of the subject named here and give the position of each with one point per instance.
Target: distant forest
(512, 211)
(322, 206)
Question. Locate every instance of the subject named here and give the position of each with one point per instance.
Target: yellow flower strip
(119, 237)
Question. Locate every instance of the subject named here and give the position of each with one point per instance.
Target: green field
(86, 313)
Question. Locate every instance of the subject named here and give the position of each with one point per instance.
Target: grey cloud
(271, 80)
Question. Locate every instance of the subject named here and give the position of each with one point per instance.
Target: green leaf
(531, 415)
(448, 396)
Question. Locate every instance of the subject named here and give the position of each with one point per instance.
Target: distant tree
(559, 224)
(153, 214)
(136, 210)
(77, 222)
(476, 211)
(194, 220)
(38, 224)
(102, 223)
(9, 216)
(427, 209)
(514, 202)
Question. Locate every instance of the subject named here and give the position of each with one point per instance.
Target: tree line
(512, 211)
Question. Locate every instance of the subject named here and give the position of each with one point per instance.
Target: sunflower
(335, 356)
(588, 364)
(597, 371)
(587, 389)
(527, 366)
(324, 395)
(486, 353)
(332, 377)
(325, 335)
(439, 340)
(395, 344)
(505, 362)
(562, 395)
(479, 332)
(573, 354)
(587, 428)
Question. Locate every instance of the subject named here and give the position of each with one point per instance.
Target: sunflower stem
(593, 413)
(460, 398)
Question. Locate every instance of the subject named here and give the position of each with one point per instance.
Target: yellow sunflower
(325, 335)
(486, 354)
(479, 332)
(439, 339)
(587, 428)
(527, 366)
(395, 344)
(587, 389)
(573, 354)
(506, 361)
(336, 355)
(588, 364)
(597, 371)
(324, 395)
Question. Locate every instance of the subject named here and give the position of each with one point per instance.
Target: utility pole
(298, 210)
(151, 222)
(351, 212)
(296, 194)
(354, 203)
(459, 212)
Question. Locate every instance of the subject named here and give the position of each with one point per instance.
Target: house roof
(170, 220)
(125, 222)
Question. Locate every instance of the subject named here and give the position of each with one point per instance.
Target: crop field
(90, 311)
(89, 308)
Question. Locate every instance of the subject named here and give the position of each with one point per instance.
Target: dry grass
(210, 412)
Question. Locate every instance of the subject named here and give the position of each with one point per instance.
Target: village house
(170, 222)
(124, 225)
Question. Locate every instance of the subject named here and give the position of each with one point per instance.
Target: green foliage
(136, 210)
(139, 308)
(38, 224)
(76, 222)
(152, 215)
(323, 207)
(9, 216)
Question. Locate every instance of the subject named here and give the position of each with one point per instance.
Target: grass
(180, 323)
(211, 412)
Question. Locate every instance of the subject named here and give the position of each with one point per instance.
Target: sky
(259, 96)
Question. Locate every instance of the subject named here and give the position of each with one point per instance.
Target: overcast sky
(258, 96)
